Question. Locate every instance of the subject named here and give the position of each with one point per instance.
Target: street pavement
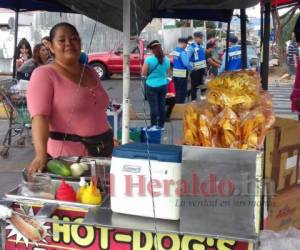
(281, 99)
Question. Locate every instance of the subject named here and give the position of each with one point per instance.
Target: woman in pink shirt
(67, 104)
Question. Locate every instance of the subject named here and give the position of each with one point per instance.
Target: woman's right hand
(38, 164)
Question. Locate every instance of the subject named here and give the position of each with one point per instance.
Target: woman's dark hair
(158, 52)
(297, 30)
(36, 53)
(59, 25)
(24, 42)
(47, 38)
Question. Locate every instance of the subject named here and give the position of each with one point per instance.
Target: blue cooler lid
(159, 152)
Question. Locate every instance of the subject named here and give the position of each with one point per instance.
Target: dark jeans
(170, 103)
(197, 79)
(180, 88)
(157, 101)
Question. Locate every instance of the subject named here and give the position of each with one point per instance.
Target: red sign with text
(76, 236)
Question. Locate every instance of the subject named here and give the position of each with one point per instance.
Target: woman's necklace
(75, 75)
(90, 89)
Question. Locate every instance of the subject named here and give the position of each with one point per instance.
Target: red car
(108, 63)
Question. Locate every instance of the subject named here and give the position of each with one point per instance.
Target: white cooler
(130, 180)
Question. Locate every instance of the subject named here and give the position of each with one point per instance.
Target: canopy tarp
(110, 12)
(34, 5)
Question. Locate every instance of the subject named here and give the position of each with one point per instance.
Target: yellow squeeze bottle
(80, 191)
(91, 195)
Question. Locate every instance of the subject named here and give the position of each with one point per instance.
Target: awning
(34, 5)
(109, 12)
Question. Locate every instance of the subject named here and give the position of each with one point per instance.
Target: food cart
(213, 220)
(202, 224)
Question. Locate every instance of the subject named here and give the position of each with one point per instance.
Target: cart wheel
(21, 141)
(4, 152)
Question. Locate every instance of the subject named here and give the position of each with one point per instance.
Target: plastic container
(40, 185)
(130, 175)
(152, 135)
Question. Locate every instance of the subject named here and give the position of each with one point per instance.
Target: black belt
(97, 145)
(72, 137)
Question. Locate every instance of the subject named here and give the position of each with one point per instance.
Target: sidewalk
(18, 158)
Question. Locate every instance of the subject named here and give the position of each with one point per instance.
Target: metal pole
(261, 36)
(244, 38)
(261, 25)
(14, 71)
(126, 71)
(227, 45)
(266, 46)
(264, 81)
(15, 43)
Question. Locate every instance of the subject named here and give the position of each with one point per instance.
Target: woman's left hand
(37, 165)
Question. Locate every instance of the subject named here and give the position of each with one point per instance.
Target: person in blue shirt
(181, 66)
(155, 69)
(234, 56)
(198, 60)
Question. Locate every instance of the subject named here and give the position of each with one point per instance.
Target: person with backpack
(155, 69)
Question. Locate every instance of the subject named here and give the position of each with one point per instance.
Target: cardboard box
(284, 210)
(282, 154)
(178, 112)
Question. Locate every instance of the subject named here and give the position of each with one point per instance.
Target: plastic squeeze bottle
(91, 195)
(82, 187)
(65, 192)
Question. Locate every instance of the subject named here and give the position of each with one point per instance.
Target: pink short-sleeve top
(69, 107)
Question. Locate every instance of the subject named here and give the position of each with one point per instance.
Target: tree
(182, 23)
(197, 23)
(280, 23)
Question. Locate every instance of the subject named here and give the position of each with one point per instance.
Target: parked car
(111, 62)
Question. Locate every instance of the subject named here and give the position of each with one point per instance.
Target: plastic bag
(227, 131)
(237, 82)
(190, 125)
(238, 90)
(207, 112)
(254, 127)
(198, 124)
(225, 98)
